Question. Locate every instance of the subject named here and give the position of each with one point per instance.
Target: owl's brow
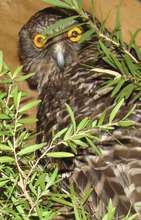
(57, 30)
(50, 42)
(63, 30)
(61, 26)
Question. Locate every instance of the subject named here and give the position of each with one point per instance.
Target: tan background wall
(130, 15)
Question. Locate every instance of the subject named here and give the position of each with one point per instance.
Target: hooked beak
(59, 55)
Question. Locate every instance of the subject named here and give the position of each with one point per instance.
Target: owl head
(44, 50)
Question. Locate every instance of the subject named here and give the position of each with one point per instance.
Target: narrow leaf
(126, 123)
(87, 35)
(1, 61)
(115, 110)
(27, 120)
(59, 154)
(120, 83)
(71, 114)
(22, 78)
(60, 134)
(94, 147)
(17, 71)
(6, 159)
(31, 149)
(80, 143)
(102, 118)
(4, 147)
(57, 3)
(3, 183)
(52, 179)
(29, 106)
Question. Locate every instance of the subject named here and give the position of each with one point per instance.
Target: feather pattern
(117, 173)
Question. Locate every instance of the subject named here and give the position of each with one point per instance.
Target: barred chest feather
(117, 173)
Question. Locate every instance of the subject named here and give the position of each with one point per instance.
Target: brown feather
(117, 173)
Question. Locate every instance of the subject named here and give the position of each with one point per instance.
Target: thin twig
(117, 45)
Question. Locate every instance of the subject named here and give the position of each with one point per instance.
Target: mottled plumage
(117, 173)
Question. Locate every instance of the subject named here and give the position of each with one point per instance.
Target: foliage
(28, 191)
(123, 60)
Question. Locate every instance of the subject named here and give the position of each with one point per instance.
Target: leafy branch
(124, 60)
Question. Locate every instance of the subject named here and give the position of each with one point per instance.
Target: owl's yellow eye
(75, 34)
(40, 40)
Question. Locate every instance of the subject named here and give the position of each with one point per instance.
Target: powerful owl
(62, 75)
(44, 55)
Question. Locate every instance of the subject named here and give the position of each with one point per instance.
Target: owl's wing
(109, 178)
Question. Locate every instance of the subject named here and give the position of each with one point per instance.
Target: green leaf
(52, 179)
(80, 3)
(120, 83)
(117, 63)
(117, 29)
(59, 154)
(6, 159)
(109, 55)
(106, 50)
(126, 123)
(136, 97)
(130, 112)
(80, 143)
(102, 118)
(4, 116)
(4, 147)
(115, 110)
(57, 3)
(60, 134)
(133, 38)
(71, 114)
(28, 120)
(131, 66)
(94, 123)
(61, 201)
(17, 71)
(74, 200)
(69, 133)
(29, 106)
(83, 124)
(87, 35)
(138, 51)
(60, 26)
(94, 147)
(20, 209)
(22, 78)
(111, 212)
(133, 217)
(17, 97)
(3, 183)
(1, 61)
(110, 62)
(126, 92)
(31, 149)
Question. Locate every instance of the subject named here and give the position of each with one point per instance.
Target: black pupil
(40, 39)
(74, 34)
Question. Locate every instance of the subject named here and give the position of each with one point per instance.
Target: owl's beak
(59, 55)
